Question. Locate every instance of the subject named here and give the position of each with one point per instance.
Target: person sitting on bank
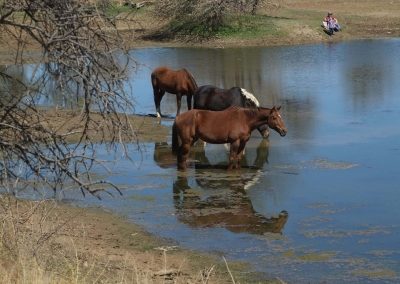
(331, 24)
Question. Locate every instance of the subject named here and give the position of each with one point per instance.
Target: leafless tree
(199, 19)
(193, 19)
(80, 59)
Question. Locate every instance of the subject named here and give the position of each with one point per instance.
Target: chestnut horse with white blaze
(178, 82)
(232, 125)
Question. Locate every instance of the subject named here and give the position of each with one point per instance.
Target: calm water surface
(336, 173)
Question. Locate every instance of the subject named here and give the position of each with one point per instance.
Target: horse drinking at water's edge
(233, 125)
(212, 98)
(179, 82)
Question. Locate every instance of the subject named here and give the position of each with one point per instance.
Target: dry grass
(46, 242)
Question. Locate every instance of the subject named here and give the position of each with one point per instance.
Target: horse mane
(191, 79)
(252, 112)
(235, 108)
(249, 96)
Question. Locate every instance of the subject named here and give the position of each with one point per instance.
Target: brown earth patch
(145, 128)
(83, 245)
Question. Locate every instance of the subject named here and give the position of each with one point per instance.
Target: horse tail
(154, 80)
(175, 139)
(192, 80)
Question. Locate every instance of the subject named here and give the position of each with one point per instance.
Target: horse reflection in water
(164, 157)
(227, 204)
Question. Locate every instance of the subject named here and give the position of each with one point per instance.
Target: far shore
(296, 22)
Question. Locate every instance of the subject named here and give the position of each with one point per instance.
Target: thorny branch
(80, 47)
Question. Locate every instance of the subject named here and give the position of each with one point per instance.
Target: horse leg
(233, 154)
(158, 95)
(189, 101)
(178, 103)
(240, 152)
(183, 155)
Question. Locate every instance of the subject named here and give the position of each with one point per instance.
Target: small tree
(193, 19)
(199, 19)
(79, 46)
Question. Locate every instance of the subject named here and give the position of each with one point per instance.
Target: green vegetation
(188, 29)
(311, 256)
(113, 9)
(248, 27)
(234, 26)
(199, 19)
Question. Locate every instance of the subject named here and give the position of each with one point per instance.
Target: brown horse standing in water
(179, 82)
(233, 125)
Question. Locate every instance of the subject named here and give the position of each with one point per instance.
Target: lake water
(336, 174)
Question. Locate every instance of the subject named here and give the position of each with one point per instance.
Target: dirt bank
(84, 245)
(146, 128)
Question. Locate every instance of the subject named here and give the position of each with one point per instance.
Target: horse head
(275, 121)
(250, 101)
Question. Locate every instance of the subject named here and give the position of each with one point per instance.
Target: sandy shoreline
(73, 243)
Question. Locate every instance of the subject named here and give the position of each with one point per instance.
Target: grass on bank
(289, 22)
(235, 27)
(47, 242)
(249, 27)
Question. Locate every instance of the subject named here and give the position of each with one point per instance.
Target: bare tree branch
(81, 60)
(201, 19)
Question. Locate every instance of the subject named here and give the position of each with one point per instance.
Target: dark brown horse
(233, 125)
(179, 82)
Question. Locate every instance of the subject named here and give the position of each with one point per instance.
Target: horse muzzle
(282, 132)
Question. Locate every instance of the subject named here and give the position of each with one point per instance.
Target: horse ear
(279, 107)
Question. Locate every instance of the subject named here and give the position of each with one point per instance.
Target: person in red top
(331, 24)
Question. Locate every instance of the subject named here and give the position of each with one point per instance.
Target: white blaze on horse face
(250, 97)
